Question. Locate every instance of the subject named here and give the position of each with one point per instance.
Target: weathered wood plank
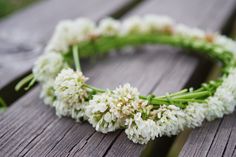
(64, 137)
(24, 34)
(230, 149)
(213, 139)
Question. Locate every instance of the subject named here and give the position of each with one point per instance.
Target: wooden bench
(30, 128)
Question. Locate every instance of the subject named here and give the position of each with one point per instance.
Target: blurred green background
(9, 6)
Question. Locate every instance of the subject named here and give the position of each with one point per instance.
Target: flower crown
(143, 117)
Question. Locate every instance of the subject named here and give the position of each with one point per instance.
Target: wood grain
(30, 128)
(213, 139)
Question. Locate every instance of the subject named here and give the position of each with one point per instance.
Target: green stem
(175, 94)
(193, 95)
(94, 88)
(32, 82)
(76, 58)
(175, 100)
(3, 105)
(24, 81)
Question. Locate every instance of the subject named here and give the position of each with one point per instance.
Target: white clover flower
(184, 30)
(223, 101)
(140, 130)
(126, 101)
(48, 66)
(99, 113)
(226, 43)
(62, 109)
(194, 114)
(171, 120)
(48, 92)
(227, 98)
(79, 111)
(63, 36)
(71, 94)
(76, 112)
(109, 27)
(85, 28)
(69, 87)
(154, 23)
(132, 25)
(215, 108)
(70, 32)
(229, 83)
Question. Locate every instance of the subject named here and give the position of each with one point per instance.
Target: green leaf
(3, 105)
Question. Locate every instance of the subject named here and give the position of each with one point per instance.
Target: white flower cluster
(109, 27)
(226, 43)
(71, 93)
(224, 99)
(194, 115)
(70, 32)
(140, 130)
(186, 31)
(66, 90)
(99, 113)
(153, 23)
(45, 69)
(167, 120)
(126, 101)
(170, 120)
(48, 66)
(48, 92)
(108, 111)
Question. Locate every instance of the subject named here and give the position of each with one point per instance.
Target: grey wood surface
(32, 129)
(213, 139)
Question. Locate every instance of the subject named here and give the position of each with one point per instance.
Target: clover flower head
(48, 93)
(69, 87)
(227, 98)
(132, 25)
(226, 43)
(171, 120)
(126, 101)
(214, 108)
(70, 93)
(109, 27)
(85, 28)
(229, 83)
(99, 113)
(62, 109)
(76, 112)
(223, 101)
(184, 30)
(154, 23)
(141, 130)
(48, 66)
(63, 36)
(70, 32)
(195, 114)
